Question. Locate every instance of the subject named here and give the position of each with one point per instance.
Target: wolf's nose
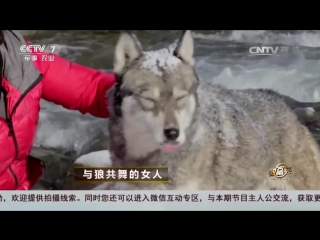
(171, 134)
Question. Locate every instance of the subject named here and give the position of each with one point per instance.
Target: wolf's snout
(171, 134)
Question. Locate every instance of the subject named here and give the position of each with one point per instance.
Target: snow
(95, 159)
(100, 159)
(68, 131)
(162, 59)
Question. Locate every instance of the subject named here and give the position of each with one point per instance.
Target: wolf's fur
(229, 138)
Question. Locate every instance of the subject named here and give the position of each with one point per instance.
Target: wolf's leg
(300, 151)
(275, 184)
(280, 184)
(306, 165)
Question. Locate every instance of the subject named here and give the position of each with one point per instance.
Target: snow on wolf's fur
(162, 58)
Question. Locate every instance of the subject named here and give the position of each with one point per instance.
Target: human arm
(75, 87)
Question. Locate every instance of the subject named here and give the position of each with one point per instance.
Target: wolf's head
(156, 90)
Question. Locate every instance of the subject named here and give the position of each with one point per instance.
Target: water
(220, 57)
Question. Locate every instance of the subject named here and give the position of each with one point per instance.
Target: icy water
(222, 58)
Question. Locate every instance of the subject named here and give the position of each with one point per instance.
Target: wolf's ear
(127, 49)
(185, 47)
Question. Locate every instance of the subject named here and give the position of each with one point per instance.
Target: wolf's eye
(181, 100)
(126, 93)
(147, 102)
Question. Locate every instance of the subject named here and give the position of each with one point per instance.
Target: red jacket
(65, 83)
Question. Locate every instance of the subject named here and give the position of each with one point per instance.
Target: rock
(31, 33)
(26, 33)
(56, 168)
(306, 115)
(93, 159)
(69, 133)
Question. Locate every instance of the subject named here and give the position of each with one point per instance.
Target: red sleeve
(74, 86)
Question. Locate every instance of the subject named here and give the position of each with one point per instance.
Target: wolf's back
(256, 130)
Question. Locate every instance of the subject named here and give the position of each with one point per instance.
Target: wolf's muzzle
(171, 134)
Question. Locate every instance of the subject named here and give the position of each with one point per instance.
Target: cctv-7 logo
(51, 48)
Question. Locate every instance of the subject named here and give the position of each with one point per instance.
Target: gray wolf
(210, 137)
